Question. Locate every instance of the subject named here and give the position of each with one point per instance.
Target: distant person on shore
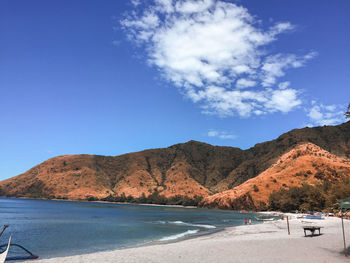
(245, 221)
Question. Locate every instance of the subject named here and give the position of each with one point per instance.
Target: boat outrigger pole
(3, 229)
(4, 249)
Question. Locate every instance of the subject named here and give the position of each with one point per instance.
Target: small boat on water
(12, 251)
(314, 217)
(320, 217)
(265, 219)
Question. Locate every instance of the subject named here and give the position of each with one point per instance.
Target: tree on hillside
(347, 113)
(322, 196)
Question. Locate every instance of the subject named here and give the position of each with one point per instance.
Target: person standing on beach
(245, 221)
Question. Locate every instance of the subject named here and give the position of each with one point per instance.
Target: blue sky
(111, 77)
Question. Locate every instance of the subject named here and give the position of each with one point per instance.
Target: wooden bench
(312, 229)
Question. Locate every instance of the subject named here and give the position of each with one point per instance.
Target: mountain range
(226, 177)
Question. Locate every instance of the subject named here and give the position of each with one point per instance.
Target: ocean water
(60, 228)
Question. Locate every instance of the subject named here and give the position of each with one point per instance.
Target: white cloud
(215, 52)
(275, 66)
(213, 133)
(245, 83)
(165, 5)
(320, 114)
(281, 27)
(284, 85)
(135, 2)
(283, 100)
(221, 135)
(190, 7)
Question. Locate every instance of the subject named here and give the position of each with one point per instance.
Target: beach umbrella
(344, 205)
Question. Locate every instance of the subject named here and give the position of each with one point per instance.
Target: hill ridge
(188, 169)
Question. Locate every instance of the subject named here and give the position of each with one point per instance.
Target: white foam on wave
(189, 224)
(173, 237)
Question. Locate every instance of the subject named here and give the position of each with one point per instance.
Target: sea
(61, 228)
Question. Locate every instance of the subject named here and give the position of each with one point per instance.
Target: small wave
(189, 224)
(173, 237)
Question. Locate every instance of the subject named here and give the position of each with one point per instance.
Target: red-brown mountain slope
(306, 163)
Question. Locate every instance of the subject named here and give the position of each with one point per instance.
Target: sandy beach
(267, 242)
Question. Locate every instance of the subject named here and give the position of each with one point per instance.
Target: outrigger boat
(5, 248)
(265, 219)
(4, 254)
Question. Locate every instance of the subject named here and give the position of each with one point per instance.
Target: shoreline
(266, 242)
(103, 202)
(202, 233)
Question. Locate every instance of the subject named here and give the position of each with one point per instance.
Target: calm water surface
(58, 228)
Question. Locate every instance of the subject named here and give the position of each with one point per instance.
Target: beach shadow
(314, 235)
(343, 254)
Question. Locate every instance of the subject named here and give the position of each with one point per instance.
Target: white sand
(268, 242)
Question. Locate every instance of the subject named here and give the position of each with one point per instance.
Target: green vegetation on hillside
(319, 197)
(154, 198)
(347, 113)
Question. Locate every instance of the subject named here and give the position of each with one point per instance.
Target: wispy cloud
(135, 2)
(215, 52)
(275, 66)
(221, 135)
(320, 114)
